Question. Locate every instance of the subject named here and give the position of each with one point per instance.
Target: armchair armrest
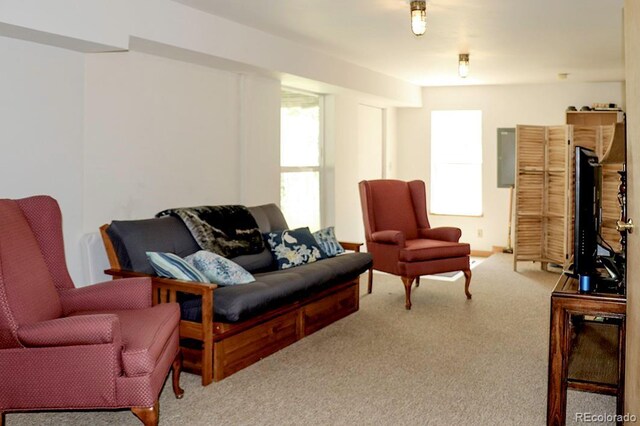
(165, 290)
(350, 246)
(72, 331)
(445, 233)
(389, 237)
(130, 293)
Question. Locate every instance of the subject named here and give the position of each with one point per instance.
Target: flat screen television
(587, 213)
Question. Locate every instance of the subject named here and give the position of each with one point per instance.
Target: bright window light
(300, 199)
(456, 163)
(300, 159)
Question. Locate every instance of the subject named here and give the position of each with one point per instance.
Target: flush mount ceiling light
(463, 65)
(418, 17)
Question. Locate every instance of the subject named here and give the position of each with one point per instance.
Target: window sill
(456, 215)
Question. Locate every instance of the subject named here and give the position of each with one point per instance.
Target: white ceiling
(509, 41)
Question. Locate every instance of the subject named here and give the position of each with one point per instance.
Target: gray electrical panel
(506, 157)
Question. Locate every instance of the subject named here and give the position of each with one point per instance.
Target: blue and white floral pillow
(294, 247)
(328, 242)
(218, 269)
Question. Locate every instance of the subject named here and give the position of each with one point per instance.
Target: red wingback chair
(61, 347)
(400, 239)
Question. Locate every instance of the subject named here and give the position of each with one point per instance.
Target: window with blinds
(301, 159)
(456, 163)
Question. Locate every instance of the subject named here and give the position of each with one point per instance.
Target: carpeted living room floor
(448, 361)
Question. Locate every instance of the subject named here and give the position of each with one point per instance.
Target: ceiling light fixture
(418, 17)
(463, 65)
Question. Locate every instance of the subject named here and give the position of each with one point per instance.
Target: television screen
(587, 212)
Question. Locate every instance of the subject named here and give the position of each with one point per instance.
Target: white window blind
(456, 163)
(300, 159)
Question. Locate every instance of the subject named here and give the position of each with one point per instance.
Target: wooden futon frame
(216, 350)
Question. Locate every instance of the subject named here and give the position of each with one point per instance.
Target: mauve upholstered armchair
(65, 348)
(399, 236)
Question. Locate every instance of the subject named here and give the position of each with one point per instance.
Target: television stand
(586, 346)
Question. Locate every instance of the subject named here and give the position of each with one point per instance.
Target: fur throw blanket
(225, 230)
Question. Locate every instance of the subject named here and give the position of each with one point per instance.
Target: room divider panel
(545, 181)
(541, 194)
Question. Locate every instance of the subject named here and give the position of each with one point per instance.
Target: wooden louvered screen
(555, 197)
(545, 182)
(541, 194)
(529, 190)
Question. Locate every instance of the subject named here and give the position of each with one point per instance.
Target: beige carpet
(448, 361)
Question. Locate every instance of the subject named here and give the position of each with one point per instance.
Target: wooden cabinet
(594, 118)
(545, 182)
(586, 346)
(587, 124)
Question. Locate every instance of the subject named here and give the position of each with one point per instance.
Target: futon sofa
(226, 328)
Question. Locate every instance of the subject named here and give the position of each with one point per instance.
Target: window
(300, 159)
(456, 163)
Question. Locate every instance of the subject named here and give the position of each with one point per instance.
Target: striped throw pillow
(169, 265)
(327, 240)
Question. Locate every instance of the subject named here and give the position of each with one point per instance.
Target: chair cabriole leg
(467, 281)
(370, 281)
(407, 281)
(149, 416)
(176, 368)
(1, 418)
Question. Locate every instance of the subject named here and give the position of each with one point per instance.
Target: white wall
(391, 143)
(41, 110)
(192, 35)
(137, 133)
(162, 133)
(199, 126)
(369, 159)
(352, 124)
(502, 106)
(159, 133)
(83, 25)
(370, 142)
(125, 135)
(259, 127)
(342, 131)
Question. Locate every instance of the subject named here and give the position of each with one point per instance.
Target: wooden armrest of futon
(164, 290)
(350, 246)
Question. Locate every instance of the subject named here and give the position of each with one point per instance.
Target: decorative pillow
(170, 265)
(328, 242)
(218, 269)
(294, 247)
